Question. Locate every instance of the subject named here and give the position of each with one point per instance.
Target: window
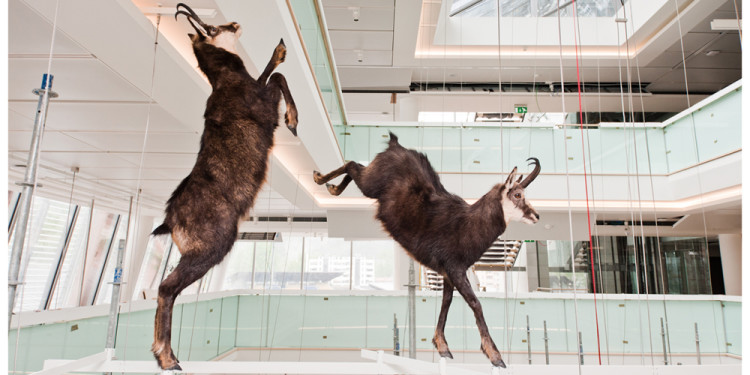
(328, 263)
(152, 268)
(373, 266)
(68, 288)
(45, 234)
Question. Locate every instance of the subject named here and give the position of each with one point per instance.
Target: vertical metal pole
(252, 275)
(396, 348)
(528, 337)
(697, 344)
(580, 347)
(663, 342)
(351, 263)
(412, 311)
(114, 304)
(546, 343)
(29, 183)
(302, 267)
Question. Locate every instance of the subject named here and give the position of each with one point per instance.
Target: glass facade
(65, 253)
(627, 265)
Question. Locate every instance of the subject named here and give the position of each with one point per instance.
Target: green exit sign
(520, 108)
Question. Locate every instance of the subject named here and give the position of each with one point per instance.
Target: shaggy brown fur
(437, 228)
(203, 213)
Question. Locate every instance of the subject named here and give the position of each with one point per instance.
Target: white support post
(29, 184)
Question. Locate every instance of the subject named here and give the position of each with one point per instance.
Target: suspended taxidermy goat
(240, 118)
(437, 228)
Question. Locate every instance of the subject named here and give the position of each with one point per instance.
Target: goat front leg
(439, 339)
(278, 57)
(461, 282)
(352, 171)
(276, 87)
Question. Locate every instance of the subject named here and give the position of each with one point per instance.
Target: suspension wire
(137, 203)
(506, 331)
(567, 188)
(305, 282)
(653, 202)
(46, 94)
(265, 310)
(286, 262)
(630, 194)
(638, 183)
(697, 158)
(593, 193)
(585, 180)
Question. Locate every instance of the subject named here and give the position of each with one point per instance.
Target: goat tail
(393, 140)
(161, 229)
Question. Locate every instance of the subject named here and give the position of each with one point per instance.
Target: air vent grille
(660, 222)
(259, 236)
(310, 219)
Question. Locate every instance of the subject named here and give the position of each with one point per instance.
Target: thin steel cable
(506, 331)
(585, 182)
(137, 202)
(593, 194)
(286, 262)
(567, 186)
(697, 154)
(638, 189)
(630, 194)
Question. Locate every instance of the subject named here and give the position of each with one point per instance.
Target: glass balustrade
(628, 324)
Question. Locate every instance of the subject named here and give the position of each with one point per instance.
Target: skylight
(534, 8)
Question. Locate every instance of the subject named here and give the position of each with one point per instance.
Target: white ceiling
(385, 37)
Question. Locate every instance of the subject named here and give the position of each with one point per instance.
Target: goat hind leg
(277, 84)
(188, 270)
(439, 339)
(461, 282)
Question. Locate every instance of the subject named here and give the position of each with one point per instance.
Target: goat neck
(486, 216)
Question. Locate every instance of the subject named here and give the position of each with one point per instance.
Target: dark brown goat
(203, 213)
(439, 229)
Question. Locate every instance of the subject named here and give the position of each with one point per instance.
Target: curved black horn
(190, 19)
(533, 173)
(191, 16)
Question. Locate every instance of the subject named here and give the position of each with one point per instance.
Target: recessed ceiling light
(713, 52)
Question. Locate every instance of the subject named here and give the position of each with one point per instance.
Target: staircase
(500, 256)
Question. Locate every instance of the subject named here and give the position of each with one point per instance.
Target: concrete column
(730, 246)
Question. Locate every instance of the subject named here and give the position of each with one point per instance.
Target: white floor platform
(382, 364)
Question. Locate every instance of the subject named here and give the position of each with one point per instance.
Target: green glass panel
(718, 126)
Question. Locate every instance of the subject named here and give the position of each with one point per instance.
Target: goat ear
(519, 179)
(511, 177)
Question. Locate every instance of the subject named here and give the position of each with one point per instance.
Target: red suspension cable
(585, 180)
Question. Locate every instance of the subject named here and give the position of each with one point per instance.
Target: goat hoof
(333, 189)
(499, 363)
(443, 351)
(317, 177)
(290, 117)
(279, 53)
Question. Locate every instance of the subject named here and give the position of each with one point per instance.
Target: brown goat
(203, 213)
(437, 228)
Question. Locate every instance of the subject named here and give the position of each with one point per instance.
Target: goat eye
(517, 195)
